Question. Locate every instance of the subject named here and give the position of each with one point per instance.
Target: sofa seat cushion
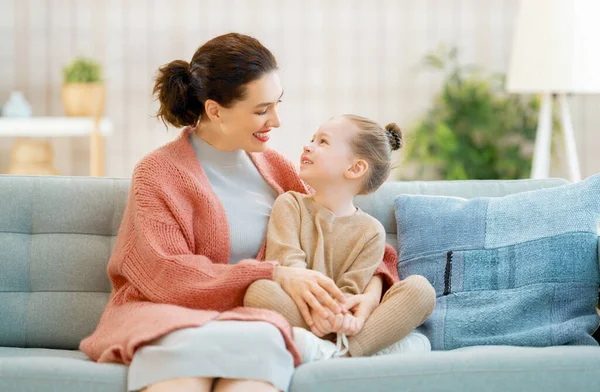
(30, 369)
(478, 368)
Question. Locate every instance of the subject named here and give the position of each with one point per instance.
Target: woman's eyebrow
(269, 103)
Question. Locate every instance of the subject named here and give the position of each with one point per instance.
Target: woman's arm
(159, 263)
(155, 249)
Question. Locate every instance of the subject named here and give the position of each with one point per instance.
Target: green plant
(82, 70)
(474, 130)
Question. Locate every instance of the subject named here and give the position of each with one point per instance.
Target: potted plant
(474, 129)
(83, 90)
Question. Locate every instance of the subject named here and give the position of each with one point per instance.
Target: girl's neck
(338, 201)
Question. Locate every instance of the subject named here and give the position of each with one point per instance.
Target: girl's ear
(358, 169)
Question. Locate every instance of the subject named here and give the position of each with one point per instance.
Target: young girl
(326, 232)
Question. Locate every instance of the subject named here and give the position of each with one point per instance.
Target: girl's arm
(283, 233)
(356, 278)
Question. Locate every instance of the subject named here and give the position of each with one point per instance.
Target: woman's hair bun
(179, 104)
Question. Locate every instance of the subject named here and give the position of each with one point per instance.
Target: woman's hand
(322, 326)
(310, 290)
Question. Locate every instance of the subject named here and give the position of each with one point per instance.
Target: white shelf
(52, 126)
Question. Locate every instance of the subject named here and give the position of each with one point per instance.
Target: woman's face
(247, 124)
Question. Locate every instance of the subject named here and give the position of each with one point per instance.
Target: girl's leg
(267, 294)
(405, 306)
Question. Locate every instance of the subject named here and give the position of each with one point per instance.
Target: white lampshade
(556, 47)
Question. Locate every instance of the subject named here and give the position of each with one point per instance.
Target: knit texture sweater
(303, 234)
(170, 265)
(246, 197)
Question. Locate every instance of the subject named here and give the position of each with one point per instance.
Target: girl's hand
(341, 323)
(347, 324)
(361, 306)
(322, 325)
(310, 290)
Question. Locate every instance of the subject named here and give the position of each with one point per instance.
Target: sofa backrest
(57, 233)
(380, 204)
(56, 236)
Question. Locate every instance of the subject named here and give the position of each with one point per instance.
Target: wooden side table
(32, 152)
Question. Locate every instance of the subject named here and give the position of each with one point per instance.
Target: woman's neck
(338, 201)
(212, 135)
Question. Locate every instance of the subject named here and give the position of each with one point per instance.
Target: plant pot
(32, 157)
(83, 99)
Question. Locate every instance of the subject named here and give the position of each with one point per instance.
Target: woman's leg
(229, 385)
(405, 306)
(182, 385)
(267, 294)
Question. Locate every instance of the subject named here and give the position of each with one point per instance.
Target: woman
(192, 237)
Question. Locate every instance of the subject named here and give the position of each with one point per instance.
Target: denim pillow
(515, 270)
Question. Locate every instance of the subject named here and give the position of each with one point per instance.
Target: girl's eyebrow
(322, 134)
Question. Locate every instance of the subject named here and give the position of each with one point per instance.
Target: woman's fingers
(325, 299)
(317, 330)
(316, 306)
(329, 285)
(304, 310)
(322, 326)
(325, 327)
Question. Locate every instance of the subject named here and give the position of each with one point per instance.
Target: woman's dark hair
(219, 70)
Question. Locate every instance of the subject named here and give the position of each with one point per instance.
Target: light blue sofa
(56, 235)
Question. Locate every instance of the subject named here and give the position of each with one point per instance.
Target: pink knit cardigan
(170, 265)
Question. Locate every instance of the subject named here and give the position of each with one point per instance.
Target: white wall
(335, 56)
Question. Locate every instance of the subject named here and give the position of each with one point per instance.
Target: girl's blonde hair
(375, 144)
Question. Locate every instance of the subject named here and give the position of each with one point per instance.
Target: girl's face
(247, 124)
(328, 158)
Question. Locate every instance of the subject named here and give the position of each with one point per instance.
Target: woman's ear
(212, 110)
(358, 169)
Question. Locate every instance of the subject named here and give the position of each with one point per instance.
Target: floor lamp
(555, 52)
